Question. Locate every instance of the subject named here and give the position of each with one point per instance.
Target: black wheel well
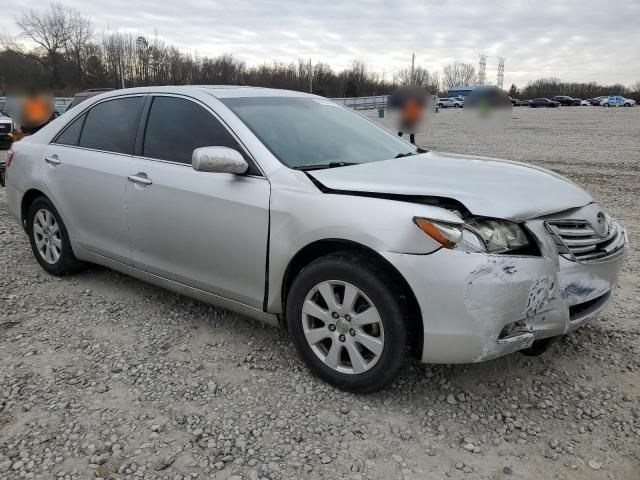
(27, 200)
(320, 248)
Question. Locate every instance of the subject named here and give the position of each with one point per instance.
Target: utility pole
(121, 72)
(482, 70)
(413, 61)
(500, 72)
(310, 77)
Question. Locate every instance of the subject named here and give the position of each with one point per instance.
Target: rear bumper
(476, 307)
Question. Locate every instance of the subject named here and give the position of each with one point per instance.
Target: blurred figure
(408, 106)
(488, 109)
(30, 112)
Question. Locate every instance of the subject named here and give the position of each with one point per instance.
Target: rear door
(206, 230)
(86, 171)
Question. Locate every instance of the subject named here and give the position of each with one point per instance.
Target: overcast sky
(573, 40)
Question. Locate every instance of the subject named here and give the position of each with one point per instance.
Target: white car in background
(617, 101)
(450, 103)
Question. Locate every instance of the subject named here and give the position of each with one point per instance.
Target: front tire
(49, 238)
(347, 324)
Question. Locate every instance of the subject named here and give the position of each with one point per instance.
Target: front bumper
(476, 307)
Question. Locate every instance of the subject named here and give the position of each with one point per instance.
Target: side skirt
(202, 295)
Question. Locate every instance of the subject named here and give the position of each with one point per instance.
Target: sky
(587, 40)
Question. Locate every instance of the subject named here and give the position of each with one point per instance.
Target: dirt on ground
(103, 376)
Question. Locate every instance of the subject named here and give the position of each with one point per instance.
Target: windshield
(307, 132)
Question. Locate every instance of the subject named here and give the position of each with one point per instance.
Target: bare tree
(421, 77)
(78, 38)
(49, 30)
(458, 73)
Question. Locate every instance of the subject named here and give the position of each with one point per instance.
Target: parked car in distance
(6, 126)
(584, 103)
(86, 95)
(516, 102)
(543, 102)
(565, 100)
(596, 100)
(266, 208)
(617, 101)
(450, 102)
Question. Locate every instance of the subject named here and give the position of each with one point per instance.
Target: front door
(205, 230)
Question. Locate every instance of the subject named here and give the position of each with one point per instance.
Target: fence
(363, 103)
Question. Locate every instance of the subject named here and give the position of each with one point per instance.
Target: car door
(86, 171)
(206, 230)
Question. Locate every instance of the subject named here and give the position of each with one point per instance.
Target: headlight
(476, 235)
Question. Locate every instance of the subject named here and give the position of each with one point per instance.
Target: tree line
(68, 56)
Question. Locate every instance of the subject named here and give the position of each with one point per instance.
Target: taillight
(8, 158)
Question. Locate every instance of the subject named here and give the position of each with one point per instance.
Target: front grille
(5, 127)
(578, 241)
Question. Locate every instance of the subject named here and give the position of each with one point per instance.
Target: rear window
(71, 134)
(112, 125)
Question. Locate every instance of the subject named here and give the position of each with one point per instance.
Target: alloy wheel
(46, 233)
(342, 327)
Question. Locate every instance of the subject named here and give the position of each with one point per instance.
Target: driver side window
(176, 127)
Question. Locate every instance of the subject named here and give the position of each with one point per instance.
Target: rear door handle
(139, 179)
(52, 160)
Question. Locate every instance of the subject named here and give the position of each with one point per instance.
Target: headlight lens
(486, 235)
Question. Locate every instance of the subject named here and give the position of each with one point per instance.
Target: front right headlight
(487, 235)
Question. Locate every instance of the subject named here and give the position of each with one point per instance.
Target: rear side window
(176, 127)
(71, 135)
(112, 125)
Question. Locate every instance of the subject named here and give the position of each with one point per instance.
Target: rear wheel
(346, 323)
(49, 238)
(605, 105)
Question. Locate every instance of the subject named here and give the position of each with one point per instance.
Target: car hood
(485, 186)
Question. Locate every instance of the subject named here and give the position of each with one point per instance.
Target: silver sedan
(299, 212)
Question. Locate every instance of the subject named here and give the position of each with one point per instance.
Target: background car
(595, 101)
(450, 102)
(6, 126)
(516, 102)
(85, 95)
(543, 102)
(566, 101)
(616, 101)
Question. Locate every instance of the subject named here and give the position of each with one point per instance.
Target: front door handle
(140, 179)
(52, 160)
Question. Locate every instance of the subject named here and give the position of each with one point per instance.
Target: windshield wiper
(320, 166)
(408, 154)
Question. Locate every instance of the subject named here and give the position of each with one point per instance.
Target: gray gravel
(102, 376)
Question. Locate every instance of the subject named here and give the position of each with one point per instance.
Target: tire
(455, 105)
(49, 239)
(440, 105)
(388, 335)
(606, 105)
(627, 104)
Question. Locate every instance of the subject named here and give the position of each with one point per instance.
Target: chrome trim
(577, 240)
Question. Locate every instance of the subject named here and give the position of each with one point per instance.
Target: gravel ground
(104, 376)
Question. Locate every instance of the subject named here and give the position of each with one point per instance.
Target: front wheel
(346, 323)
(606, 105)
(49, 238)
(627, 104)
(455, 105)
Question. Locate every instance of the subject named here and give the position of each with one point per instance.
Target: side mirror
(218, 160)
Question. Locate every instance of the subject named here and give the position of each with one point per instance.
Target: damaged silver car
(296, 211)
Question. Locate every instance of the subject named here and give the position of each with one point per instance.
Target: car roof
(218, 91)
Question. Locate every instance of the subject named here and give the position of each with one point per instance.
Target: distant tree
(50, 30)
(458, 73)
(513, 91)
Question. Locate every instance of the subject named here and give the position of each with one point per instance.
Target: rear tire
(357, 340)
(49, 239)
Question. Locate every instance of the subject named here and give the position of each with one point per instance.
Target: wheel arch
(320, 248)
(27, 199)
